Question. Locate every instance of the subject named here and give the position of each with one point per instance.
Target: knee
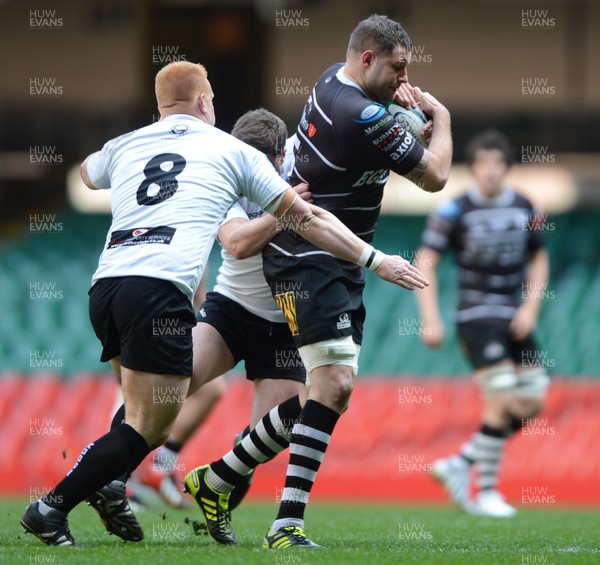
(332, 386)
(156, 439)
(340, 386)
(525, 407)
(154, 436)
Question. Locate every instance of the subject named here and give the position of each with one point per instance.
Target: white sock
(283, 522)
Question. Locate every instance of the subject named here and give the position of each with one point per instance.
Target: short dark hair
(488, 140)
(263, 130)
(378, 33)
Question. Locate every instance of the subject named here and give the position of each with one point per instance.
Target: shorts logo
(287, 303)
(493, 350)
(311, 130)
(202, 312)
(344, 321)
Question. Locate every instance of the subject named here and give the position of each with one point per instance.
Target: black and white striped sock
(485, 449)
(270, 437)
(310, 438)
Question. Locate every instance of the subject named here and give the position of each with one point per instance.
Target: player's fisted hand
(428, 103)
(405, 95)
(399, 271)
(303, 191)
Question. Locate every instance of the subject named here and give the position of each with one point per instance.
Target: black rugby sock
(119, 451)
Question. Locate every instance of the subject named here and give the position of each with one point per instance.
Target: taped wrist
(370, 258)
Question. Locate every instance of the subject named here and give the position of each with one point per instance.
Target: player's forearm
(427, 299)
(249, 238)
(325, 231)
(536, 282)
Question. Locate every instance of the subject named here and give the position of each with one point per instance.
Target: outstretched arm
(244, 238)
(324, 230)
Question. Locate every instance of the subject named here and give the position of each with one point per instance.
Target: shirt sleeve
(98, 166)
(236, 211)
(369, 134)
(440, 226)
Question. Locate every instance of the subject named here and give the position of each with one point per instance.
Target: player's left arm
(536, 282)
(433, 170)
(244, 238)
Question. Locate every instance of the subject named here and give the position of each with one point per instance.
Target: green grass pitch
(352, 534)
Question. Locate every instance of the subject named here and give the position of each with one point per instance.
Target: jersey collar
(505, 198)
(345, 80)
(173, 117)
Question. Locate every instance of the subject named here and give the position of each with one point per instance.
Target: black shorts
(148, 322)
(267, 348)
(320, 296)
(487, 342)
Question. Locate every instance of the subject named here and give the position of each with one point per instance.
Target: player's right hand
(433, 334)
(405, 96)
(303, 191)
(399, 271)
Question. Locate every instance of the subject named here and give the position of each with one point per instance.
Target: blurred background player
(492, 231)
(346, 145)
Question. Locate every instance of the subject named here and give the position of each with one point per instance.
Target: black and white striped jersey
(346, 144)
(491, 239)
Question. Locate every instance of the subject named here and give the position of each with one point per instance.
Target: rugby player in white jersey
(238, 321)
(172, 183)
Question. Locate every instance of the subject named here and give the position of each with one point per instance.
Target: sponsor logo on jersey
(304, 123)
(311, 130)
(343, 321)
(381, 123)
(287, 304)
(141, 236)
(179, 129)
(371, 113)
(252, 215)
(372, 177)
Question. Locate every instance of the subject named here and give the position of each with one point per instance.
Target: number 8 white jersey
(172, 183)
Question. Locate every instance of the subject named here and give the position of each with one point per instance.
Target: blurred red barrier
(381, 450)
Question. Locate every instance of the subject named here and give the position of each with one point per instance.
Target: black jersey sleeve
(536, 225)
(441, 225)
(368, 134)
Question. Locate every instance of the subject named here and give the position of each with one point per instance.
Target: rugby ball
(412, 119)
